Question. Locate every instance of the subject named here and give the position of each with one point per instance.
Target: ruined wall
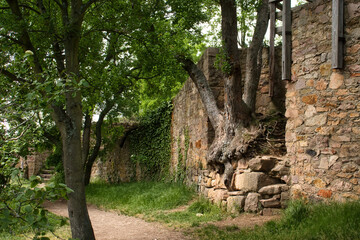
(323, 128)
(258, 182)
(33, 163)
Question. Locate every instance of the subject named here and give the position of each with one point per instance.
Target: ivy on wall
(150, 143)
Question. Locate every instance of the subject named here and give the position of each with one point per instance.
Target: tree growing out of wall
(234, 127)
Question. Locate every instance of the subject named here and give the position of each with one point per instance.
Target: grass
(340, 221)
(154, 201)
(138, 197)
(200, 211)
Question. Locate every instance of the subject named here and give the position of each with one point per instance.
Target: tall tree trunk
(71, 128)
(233, 124)
(254, 56)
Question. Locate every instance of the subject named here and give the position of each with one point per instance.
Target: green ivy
(150, 144)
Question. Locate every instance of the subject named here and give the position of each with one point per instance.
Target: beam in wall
(286, 40)
(337, 34)
(272, 48)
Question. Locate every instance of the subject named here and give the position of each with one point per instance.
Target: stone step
(47, 171)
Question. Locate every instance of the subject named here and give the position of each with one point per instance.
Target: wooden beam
(272, 48)
(337, 33)
(286, 43)
(279, 6)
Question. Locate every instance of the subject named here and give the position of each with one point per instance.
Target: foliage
(138, 197)
(300, 221)
(21, 203)
(151, 142)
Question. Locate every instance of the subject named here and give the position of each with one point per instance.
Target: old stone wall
(258, 182)
(33, 163)
(323, 105)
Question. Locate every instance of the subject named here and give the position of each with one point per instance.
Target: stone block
(252, 202)
(235, 204)
(336, 80)
(217, 195)
(253, 181)
(281, 169)
(270, 203)
(309, 99)
(317, 120)
(262, 164)
(325, 193)
(273, 189)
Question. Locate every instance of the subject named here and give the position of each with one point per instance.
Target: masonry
(322, 135)
(323, 105)
(323, 120)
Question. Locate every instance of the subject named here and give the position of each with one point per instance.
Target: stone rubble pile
(258, 184)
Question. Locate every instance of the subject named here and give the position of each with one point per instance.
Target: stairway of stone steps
(47, 173)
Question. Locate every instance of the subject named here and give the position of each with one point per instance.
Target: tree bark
(89, 162)
(254, 56)
(69, 122)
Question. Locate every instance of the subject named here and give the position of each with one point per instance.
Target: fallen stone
(271, 203)
(252, 202)
(253, 181)
(235, 204)
(260, 164)
(280, 169)
(273, 189)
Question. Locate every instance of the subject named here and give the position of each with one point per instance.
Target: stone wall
(33, 163)
(258, 182)
(323, 127)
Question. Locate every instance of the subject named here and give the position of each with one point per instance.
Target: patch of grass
(139, 197)
(301, 221)
(200, 211)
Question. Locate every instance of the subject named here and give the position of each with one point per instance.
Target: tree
(81, 57)
(234, 128)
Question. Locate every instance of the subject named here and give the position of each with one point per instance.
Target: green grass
(338, 221)
(201, 211)
(138, 197)
(154, 201)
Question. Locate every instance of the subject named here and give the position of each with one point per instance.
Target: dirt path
(111, 226)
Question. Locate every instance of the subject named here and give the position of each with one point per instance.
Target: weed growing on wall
(151, 143)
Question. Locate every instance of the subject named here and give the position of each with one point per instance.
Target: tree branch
(11, 76)
(204, 89)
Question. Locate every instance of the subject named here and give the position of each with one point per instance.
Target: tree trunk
(70, 124)
(254, 56)
(89, 162)
(233, 124)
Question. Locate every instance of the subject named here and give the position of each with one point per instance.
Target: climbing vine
(151, 143)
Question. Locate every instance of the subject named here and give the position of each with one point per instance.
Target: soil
(112, 226)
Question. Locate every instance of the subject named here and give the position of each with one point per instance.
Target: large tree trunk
(233, 130)
(254, 56)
